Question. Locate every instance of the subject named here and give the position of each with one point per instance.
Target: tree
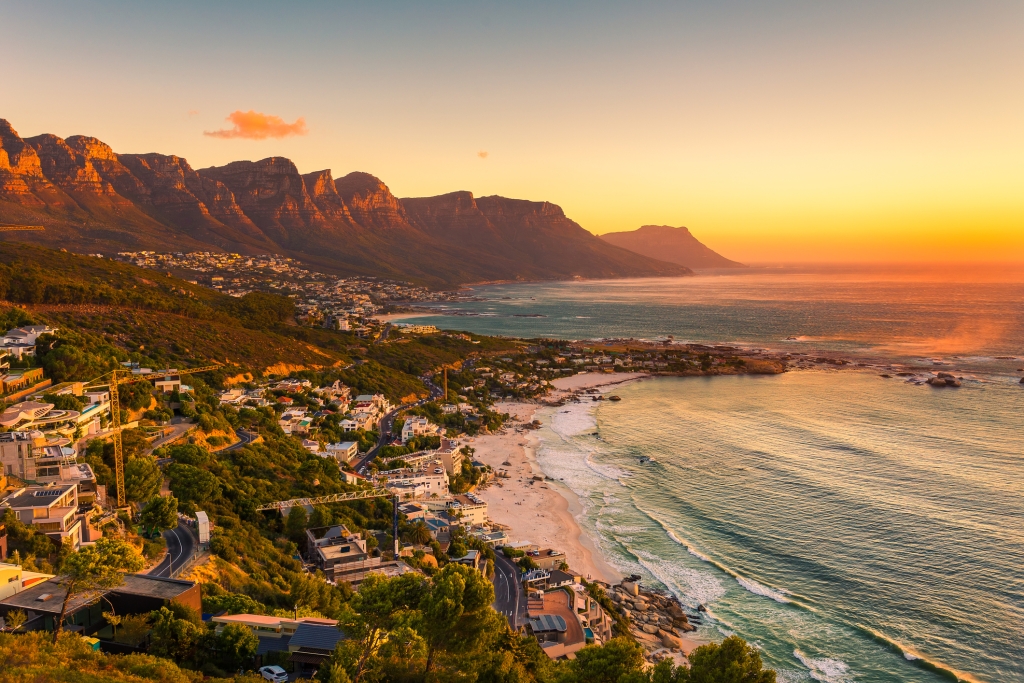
(733, 661)
(419, 533)
(142, 478)
(454, 610)
(318, 595)
(161, 513)
(134, 628)
(94, 569)
(617, 661)
(380, 609)
(174, 638)
(295, 523)
(15, 619)
(191, 484)
(189, 454)
(236, 645)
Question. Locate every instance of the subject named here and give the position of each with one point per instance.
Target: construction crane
(457, 365)
(376, 492)
(117, 378)
(4, 227)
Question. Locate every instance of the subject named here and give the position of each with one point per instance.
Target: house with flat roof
(52, 510)
(343, 452)
(468, 508)
(139, 594)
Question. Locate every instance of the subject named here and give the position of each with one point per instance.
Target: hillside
(676, 245)
(109, 310)
(92, 199)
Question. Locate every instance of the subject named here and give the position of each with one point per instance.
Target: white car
(274, 673)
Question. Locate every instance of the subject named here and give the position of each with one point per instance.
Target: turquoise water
(856, 528)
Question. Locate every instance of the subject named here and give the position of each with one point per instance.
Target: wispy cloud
(254, 125)
(482, 154)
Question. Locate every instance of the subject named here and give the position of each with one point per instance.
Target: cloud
(193, 112)
(482, 154)
(256, 126)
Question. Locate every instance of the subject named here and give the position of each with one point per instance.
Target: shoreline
(541, 511)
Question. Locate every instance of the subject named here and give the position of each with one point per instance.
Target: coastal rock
(685, 628)
(630, 588)
(650, 628)
(671, 640)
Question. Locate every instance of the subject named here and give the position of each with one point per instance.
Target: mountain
(93, 199)
(675, 245)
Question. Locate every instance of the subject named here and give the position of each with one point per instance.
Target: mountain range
(92, 199)
(675, 245)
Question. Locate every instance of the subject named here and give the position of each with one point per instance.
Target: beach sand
(542, 512)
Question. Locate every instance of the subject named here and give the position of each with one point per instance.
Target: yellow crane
(457, 366)
(117, 378)
(4, 227)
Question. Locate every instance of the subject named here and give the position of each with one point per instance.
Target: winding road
(180, 547)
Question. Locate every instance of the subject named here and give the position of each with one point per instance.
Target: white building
(418, 426)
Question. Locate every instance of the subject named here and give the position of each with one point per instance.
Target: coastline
(541, 511)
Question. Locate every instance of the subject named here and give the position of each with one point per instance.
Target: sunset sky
(776, 131)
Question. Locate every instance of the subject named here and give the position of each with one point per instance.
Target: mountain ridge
(675, 245)
(93, 199)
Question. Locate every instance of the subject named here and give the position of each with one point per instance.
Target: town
(57, 485)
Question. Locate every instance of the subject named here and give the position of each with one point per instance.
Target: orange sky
(777, 131)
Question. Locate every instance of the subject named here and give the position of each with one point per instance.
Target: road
(507, 590)
(388, 421)
(246, 437)
(180, 547)
(179, 427)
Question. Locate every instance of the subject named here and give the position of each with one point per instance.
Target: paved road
(507, 590)
(388, 421)
(178, 429)
(246, 437)
(180, 547)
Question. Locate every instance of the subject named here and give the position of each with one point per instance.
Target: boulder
(671, 640)
(630, 588)
(625, 612)
(685, 628)
(650, 628)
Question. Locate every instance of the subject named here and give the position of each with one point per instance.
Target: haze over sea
(856, 528)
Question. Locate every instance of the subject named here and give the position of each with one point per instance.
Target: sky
(777, 131)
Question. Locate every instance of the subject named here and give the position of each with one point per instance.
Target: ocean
(854, 527)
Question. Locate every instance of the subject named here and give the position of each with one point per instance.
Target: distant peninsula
(675, 245)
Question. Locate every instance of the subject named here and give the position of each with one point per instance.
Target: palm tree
(419, 534)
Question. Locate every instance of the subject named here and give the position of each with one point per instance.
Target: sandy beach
(541, 512)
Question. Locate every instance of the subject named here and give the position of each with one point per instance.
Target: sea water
(855, 528)
(852, 526)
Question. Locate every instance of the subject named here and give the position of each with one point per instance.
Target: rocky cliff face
(675, 245)
(370, 202)
(21, 173)
(91, 198)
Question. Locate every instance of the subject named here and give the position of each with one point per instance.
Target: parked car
(274, 673)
